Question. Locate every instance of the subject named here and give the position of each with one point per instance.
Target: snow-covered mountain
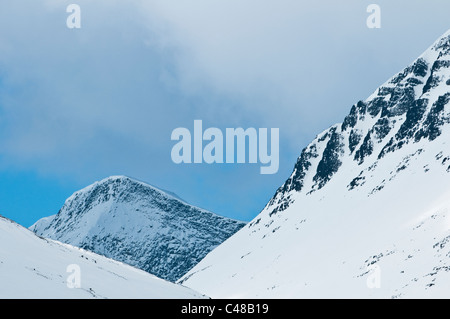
(33, 267)
(366, 211)
(138, 224)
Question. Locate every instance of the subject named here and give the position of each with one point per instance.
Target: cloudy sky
(78, 105)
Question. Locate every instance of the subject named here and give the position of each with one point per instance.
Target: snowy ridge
(372, 190)
(33, 267)
(407, 108)
(138, 224)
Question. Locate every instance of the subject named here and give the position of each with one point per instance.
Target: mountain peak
(408, 109)
(119, 180)
(130, 182)
(136, 223)
(443, 43)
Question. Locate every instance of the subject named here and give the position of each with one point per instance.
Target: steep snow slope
(365, 212)
(32, 267)
(138, 224)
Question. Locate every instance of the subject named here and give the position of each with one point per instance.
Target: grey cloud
(104, 99)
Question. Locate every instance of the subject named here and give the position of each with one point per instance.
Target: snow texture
(34, 267)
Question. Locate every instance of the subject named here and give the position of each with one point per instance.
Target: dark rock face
(376, 105)
(295, 181)
(413, 117)
(353, 140)
(140, 225)
(357, 111)
(330, 162)
(366, 149)
(435, 119)
(420, 68)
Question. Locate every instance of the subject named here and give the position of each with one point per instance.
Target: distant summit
(138, 224)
